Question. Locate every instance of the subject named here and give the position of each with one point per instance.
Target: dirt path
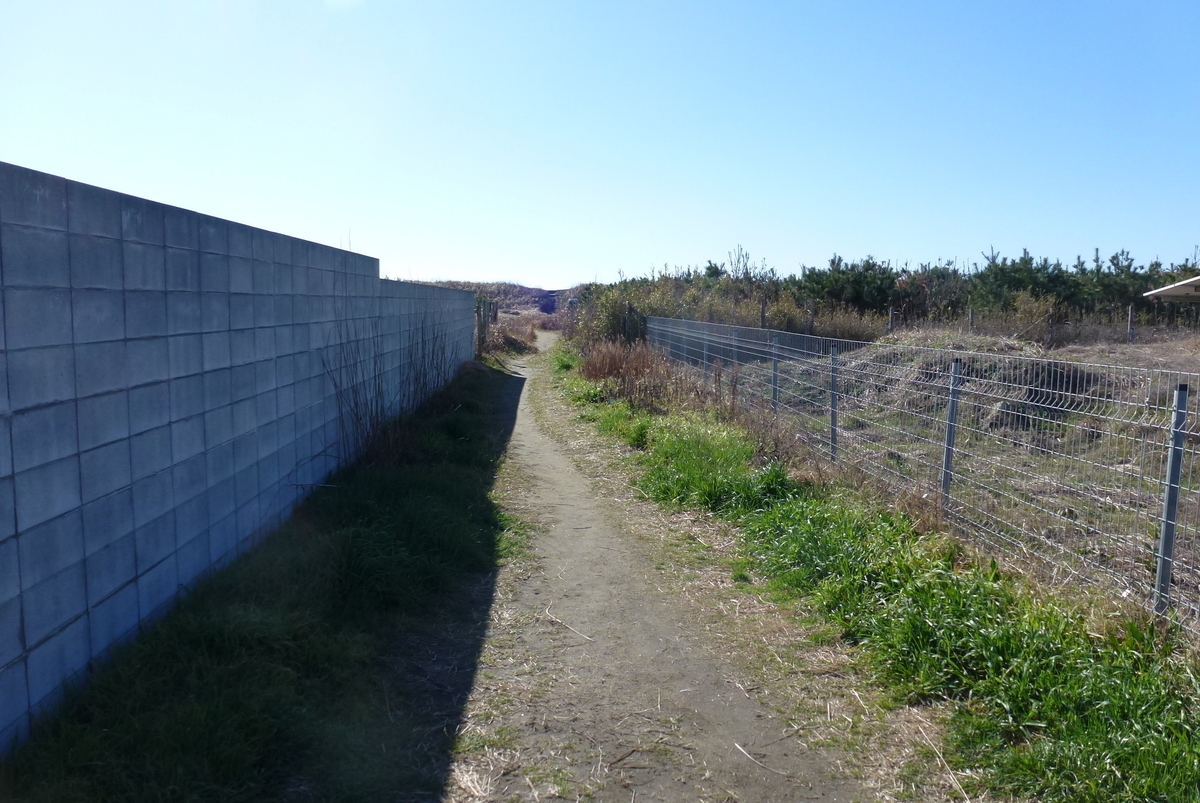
(595, 683)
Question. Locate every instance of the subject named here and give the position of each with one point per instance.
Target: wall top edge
(392, 285)
(34, 198)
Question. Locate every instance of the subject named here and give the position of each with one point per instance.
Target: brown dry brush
(643, 376)
(637, 373)
(647, 379)
(514, 334)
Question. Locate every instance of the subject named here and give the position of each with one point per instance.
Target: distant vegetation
(853, 299)
(511, 297)
(946, 290)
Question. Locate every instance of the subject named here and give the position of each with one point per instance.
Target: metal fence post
(833, 402)
(774, 370)
(1129, 326)
(951, 426)
(1166, 538)
(735, 348)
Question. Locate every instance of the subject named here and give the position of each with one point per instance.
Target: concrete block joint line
(170, 385)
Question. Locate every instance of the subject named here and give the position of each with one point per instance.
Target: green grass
(563, 361)
(693, 462)
(1044, 707)
(272, 673)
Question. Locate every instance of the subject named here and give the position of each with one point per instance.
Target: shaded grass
(268, 681)
(1046, 706)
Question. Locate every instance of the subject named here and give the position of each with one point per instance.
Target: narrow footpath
(593, 682)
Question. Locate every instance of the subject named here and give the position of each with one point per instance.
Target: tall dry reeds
(634, 371)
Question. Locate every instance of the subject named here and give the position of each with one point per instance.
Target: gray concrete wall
(165, 400)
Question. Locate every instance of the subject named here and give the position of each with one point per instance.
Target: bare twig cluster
(378, 374)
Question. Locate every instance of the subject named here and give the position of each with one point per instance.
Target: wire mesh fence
(1084, 472)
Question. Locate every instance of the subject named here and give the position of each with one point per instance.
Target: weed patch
(697, 463)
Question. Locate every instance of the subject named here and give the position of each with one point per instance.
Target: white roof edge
(1180, 289)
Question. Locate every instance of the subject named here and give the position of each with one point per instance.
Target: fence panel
(1061, 466)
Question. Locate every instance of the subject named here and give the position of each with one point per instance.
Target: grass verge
(272, 680)
(1047, 702)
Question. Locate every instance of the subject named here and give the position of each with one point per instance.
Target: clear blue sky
(553, 143)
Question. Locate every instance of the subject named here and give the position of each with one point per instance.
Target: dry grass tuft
(637, 372)
(515, 333)
(606, 360)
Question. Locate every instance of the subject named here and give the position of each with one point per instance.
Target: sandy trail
(623, 697)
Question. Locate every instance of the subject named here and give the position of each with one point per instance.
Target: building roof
(1187, 290)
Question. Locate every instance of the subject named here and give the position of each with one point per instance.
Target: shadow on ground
(431, 668)
(332, 662)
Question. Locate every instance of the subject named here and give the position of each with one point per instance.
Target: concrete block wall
(169, 390)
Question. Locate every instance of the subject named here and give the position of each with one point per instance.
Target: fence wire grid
(1059, 465)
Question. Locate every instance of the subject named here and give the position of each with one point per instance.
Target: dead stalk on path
(554, 618)
(759, 763)
(953, 778)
